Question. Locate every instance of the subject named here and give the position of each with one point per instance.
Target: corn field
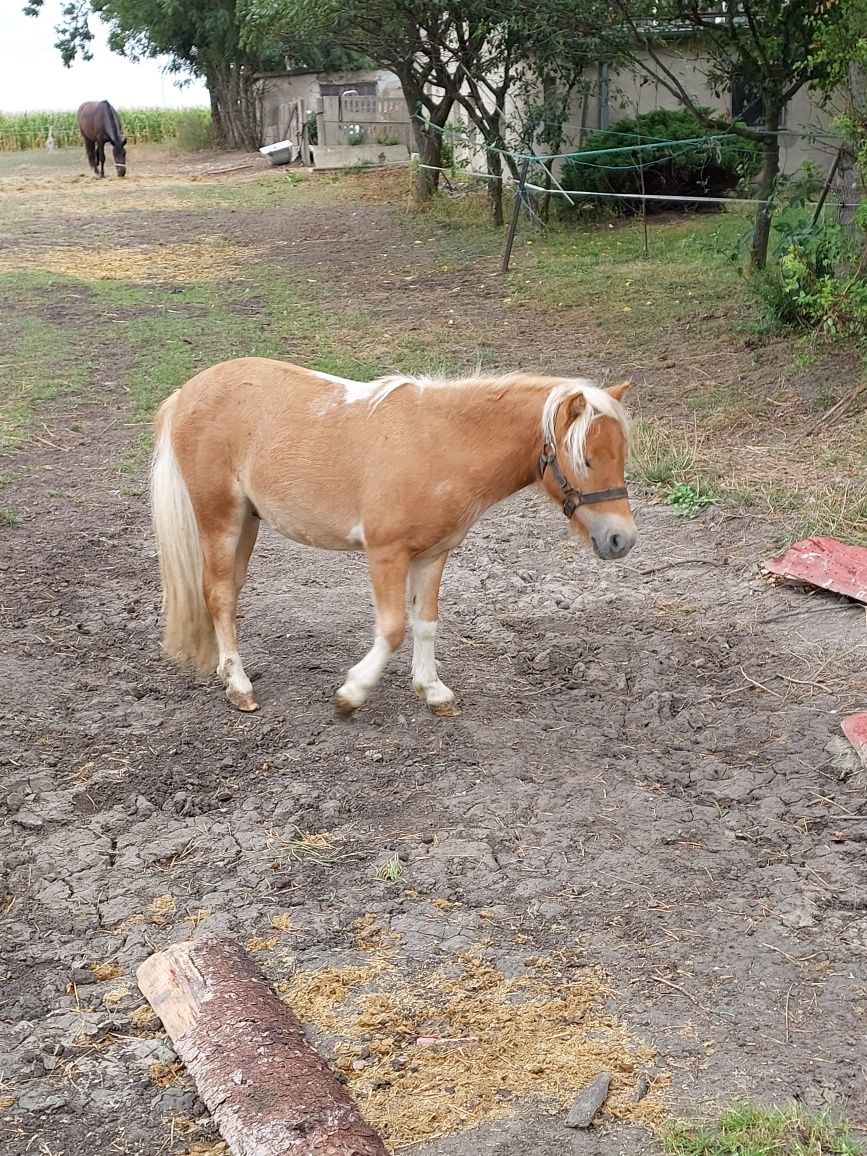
(30, 130)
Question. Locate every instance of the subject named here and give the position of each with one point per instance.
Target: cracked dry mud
(646, 768)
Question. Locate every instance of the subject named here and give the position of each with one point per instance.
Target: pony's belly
(308, 532)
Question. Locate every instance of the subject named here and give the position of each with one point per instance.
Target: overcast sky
(32, 76)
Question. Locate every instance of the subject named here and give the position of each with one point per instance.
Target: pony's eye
(587, 463)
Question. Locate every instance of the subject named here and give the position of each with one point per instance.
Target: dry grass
(143, 1016)
(105, 971)
(162, 907)
(435, 1052)
(116, 995)
(164, 1073)
(182, 263)
(262, 943)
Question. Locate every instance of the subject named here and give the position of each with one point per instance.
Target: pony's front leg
(424, 583)
(388, 570)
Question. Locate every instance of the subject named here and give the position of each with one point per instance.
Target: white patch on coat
(356, 537)
(373, 392)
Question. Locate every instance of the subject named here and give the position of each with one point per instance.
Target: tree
(532, 61)
(202, 36)
(767, 45)
(424, 42)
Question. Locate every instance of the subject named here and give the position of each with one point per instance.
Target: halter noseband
(574, 498)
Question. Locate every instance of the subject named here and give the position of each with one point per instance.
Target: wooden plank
(826, 563)
(855, 730)
(269, 1092)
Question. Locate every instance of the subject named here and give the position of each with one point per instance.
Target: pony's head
(585, 432)
(120, 157)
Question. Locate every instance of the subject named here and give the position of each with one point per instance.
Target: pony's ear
(618, 392)
(576, 407)
(123, 142)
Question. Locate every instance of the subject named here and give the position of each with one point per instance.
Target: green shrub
(713, 167)
(816, 280)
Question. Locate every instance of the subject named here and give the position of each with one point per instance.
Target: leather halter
(574, 498)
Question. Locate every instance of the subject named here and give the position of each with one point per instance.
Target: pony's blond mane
(600, 403)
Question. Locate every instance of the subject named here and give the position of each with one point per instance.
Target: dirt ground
(647, 774)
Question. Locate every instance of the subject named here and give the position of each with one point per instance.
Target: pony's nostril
(615, 542)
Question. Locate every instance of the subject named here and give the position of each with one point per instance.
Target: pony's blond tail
(188, 634)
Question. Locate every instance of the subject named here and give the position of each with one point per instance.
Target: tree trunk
(429, 146)
(270, 1093)
(495, 188)
(234, 106)
(765, 187)
(428, 137)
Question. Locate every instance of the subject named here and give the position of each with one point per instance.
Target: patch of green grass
(42, 360)
(8, 518)
(751, 1130)
(391, 871)
(836, 510)
(660, 456)
(688, 500)
(602, 270)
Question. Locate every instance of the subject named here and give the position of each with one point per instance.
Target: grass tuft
(753, 1130)
(391, 871)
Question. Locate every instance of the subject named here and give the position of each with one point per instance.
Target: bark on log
(269, 1092)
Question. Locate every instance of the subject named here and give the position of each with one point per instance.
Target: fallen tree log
(269, 1092)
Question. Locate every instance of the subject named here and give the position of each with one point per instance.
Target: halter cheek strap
(574, 498)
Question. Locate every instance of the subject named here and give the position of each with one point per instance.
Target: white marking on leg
(425, 679)
(365, 675)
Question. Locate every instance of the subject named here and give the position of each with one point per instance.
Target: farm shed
(361, 115)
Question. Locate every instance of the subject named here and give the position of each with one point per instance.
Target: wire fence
(526, 187)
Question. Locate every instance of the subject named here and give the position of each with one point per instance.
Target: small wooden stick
(269, 1092)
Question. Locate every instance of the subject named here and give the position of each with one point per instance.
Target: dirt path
(640, 777)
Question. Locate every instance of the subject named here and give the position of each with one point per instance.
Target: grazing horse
(99, 123)
(401, 468)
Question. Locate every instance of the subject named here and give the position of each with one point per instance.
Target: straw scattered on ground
(432, 1052)
(139, 264)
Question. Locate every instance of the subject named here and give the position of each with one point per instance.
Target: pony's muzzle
(121, 170)
(613, 540)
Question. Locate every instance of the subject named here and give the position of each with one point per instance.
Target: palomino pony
(100, 125)
(401, 467)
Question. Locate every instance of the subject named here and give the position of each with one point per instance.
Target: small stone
(588, 1102)
(40, 1099)
(27, 820)
(642, 1086)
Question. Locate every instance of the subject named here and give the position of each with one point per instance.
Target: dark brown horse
(100, 124)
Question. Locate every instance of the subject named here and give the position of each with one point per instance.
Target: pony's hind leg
(388, 570)
(424, 584)
(227, 551)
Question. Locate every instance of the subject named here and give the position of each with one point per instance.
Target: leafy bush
(711, 168)
(817, 281)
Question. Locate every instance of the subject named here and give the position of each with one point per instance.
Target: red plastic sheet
(855, 730)
(826, 563)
